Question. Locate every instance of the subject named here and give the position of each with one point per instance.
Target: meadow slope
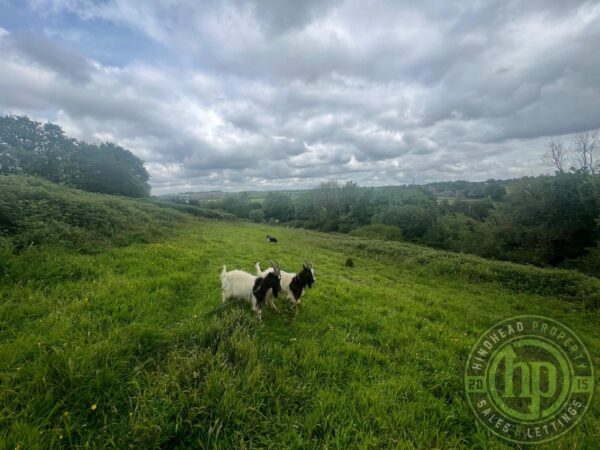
(129, 348)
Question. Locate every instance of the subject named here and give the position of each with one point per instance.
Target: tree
(237, 204)
(585, 148)
(36, 149)
(256, 215)
(278, 206)
(560, 212)
(413, 220)
(495, 191)
(44, 150)
(555, 154)
(109, 169)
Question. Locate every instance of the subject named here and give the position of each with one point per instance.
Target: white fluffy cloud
(280, 94)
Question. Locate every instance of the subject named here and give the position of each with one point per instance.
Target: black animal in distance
(272, 239)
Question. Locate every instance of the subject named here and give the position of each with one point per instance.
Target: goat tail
(224, 271)
(257, 267)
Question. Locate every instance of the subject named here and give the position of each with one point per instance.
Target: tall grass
(568, 285)
(129, 348)
(34, 212)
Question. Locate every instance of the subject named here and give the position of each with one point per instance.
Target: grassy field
(128, 348)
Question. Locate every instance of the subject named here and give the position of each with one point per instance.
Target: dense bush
(256, 215)
(278, 206)
(589, 263)
(238, 204)
(413, 220)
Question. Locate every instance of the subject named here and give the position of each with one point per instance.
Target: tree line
(43, 150)
(549, 220)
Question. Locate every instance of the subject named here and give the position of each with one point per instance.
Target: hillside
(34, 211)
(129, 347)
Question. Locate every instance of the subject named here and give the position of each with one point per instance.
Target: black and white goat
(242, 285)
(292, 284)
(272, 239)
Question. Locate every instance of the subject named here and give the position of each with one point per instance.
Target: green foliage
(33, 148)
(374, 356)
(456, 232)
(494, 189)
(413, 220)
(278, 206)
(109, 169)
(559, 212)
(379, 231)
(589, 263)
(476, 209)
(256, 215)
(239, 204)
(34, 211)
(543, 221)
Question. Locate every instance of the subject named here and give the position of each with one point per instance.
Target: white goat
(242, 285)
(292, 284)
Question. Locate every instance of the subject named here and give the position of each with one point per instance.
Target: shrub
(256, 215)
(413, 220)
(589, 263)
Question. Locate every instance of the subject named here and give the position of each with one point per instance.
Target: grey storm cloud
(62, 61)
(275, 94)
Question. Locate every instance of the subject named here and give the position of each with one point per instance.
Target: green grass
(374, 357)
(34, 212)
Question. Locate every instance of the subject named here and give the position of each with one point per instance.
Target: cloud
(275, 94)
(43, 52)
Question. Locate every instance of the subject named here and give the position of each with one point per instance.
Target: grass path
(124, 348)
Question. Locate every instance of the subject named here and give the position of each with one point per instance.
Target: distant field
(125, 349)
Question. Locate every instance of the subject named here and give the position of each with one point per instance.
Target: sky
(277, 94)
